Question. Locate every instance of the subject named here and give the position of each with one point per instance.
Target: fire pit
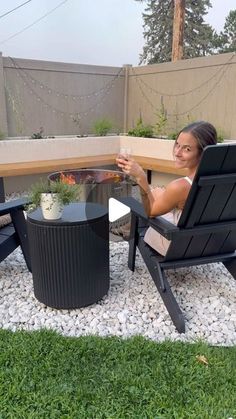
(96, 185)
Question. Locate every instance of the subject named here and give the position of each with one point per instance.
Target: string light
(103, 92)
(73, 115)
(159, 93)
(194, 106)
(49, 90)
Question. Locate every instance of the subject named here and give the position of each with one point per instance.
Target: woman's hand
(130, 167)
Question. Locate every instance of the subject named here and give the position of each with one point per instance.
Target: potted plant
(51, 197)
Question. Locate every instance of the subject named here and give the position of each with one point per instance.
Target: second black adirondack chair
(15, 233)
(206, 231)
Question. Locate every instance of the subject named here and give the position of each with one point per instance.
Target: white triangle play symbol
(117, 210)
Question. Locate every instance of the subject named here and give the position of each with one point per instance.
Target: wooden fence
(66, 99)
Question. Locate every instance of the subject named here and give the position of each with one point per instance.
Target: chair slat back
(212, 200)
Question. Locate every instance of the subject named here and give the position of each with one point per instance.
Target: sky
(96, 32)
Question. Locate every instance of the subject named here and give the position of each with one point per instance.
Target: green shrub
(102, 127)
(141, 130)
(173, 135)
(220, 136)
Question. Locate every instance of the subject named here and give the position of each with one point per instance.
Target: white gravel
(133, 306)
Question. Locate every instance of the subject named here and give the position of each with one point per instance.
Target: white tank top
(188, 180)
(155, 239)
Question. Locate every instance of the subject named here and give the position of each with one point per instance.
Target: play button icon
(116, 210)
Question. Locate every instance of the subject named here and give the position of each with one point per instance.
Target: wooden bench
(47, 166)
(53, 165)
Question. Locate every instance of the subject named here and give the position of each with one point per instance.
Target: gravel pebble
(206, 295)
(133, 306)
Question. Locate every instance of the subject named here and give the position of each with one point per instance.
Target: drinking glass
(124, 153)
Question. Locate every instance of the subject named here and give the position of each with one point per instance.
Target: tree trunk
(178, 30)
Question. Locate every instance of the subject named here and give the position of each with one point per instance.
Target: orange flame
(68, 179)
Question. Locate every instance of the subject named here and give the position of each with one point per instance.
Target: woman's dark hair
(204, 132)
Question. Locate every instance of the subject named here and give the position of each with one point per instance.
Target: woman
(170, 201)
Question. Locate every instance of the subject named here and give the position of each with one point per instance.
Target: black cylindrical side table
(70, 256)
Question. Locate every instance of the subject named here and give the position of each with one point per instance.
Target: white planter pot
(51, 207)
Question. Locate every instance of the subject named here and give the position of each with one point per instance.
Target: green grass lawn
(45, 375)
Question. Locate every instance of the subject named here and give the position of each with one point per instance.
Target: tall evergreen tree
(158, 30)
(226, 40)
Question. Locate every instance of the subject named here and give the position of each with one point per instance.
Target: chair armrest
(160, 224)
(164, 227)
(7, 207)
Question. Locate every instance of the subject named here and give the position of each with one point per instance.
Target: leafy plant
(66, 193)
(160, 126)
(141, 130)
(173, 135)
(38, 135)
(220, 136)
(102, 126)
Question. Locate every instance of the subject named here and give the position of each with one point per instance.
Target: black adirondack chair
(206, 231)
(15, 233)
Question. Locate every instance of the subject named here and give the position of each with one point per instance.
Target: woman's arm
(157, 201)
